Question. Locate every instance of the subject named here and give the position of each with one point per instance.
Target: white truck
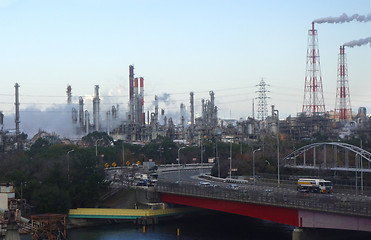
(314, 185)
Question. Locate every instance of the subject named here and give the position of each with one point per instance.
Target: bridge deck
(109, 213)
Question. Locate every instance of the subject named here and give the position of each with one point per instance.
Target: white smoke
(344, 18)
(56, 119)
(165, 98)
(358, 43)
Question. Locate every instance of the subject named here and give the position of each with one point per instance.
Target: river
(208, 226)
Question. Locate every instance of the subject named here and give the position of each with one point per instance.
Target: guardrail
(280, 197)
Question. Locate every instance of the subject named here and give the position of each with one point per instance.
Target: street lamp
(68, 164)
(96, 146)
(253, 163)
(278, 146)
(217, 157)
(179, 163)
(230, 159)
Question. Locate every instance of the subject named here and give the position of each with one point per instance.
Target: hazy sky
(178, 47)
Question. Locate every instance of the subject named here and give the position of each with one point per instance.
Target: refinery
(135, 125)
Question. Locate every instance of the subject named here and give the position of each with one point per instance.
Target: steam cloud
(358, 43)
(344, 18)
(166, 98)
(56, 119)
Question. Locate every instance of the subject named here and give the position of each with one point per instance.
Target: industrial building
(136, 125)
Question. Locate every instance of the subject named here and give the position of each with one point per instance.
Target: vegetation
(55, 178)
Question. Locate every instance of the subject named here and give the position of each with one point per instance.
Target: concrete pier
(12, 232)
(327, 234)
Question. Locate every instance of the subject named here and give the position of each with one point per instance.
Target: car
(233, 186)
(141, 183)
(303, 190)
(204, 183)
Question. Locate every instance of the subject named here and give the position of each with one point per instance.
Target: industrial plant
(133, 124)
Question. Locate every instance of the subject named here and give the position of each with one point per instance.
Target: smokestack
(96, 101)
(156, 109)
(181, 112)
(192, 110)
(69, 94)
(117, 110)
(131, 93)
(313, 103)
(148, 122)
(81, 112)
(1, 120)
(87, 124)
(136, 118)
(108, 114)
(114, 112)
(343, 110)
(17, 122)
(74, 115)
(142, 100)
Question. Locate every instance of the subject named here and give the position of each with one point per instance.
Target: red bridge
(291, 208)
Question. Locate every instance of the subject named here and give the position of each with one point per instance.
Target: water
(208, 226)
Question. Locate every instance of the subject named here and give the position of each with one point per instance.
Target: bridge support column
(306, 234)
(297, 234)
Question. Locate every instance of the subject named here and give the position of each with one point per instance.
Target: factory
(134, 124)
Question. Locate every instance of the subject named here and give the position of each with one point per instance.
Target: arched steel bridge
(291, 159)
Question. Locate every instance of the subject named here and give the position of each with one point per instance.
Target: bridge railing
(345, 204)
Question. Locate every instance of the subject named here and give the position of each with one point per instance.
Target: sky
(178, 47)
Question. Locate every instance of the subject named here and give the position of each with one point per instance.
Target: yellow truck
(314, 185)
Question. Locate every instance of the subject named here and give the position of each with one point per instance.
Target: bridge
(278, 203)
(298, 158)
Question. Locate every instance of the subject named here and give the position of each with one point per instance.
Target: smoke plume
(358, 43)
(56, 119)
(165, 98)
(344, 18)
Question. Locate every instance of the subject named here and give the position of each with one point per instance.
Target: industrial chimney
(96, 101)
(17, 122)
(343, 110)
(69, 94)
(313, 103)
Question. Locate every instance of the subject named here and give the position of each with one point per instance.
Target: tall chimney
(131, 93)
(96, 101)
(108, 114)
(1, 120)
(136, 100)
(343, 109)
(156, 109)
(17, 122)
(81, 112)
(192, 110)
(69, 94)
(142, 101)
(87, 124)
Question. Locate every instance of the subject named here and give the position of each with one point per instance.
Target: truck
(314, 185)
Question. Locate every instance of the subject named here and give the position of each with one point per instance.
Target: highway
(262, 193)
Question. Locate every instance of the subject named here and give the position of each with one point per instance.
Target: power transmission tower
(262, 103)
